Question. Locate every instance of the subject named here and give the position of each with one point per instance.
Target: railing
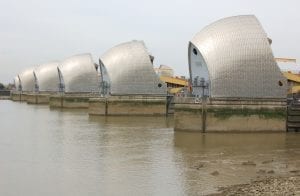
(4, 92)
(293, 113)
(170, 104)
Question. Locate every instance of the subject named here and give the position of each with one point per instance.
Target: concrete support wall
(43, 98)
(16, 96)
(76, 102)
(188, 117)
(231, 115)
(70, 101)
(24, 97)
(56, 101)
(31, 98)
(38, 98)
(126, 105)
(246, 118)
(97, 106)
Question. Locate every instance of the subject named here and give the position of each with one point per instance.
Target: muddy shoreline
(275, 185)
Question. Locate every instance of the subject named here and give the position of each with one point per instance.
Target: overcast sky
(37, 31)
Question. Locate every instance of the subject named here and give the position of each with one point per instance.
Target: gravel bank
(268, 186)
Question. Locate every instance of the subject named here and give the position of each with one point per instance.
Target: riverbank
(279, 185)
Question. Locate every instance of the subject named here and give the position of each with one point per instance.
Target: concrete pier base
(128, 105)
(24, 97)
(70, 100)
(31, 98)
(41, 98)
(19, 96)
(16, 96)
(231, 115)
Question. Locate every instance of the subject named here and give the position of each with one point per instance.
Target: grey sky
(37, 31)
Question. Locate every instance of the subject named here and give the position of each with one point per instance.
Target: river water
(66, 152)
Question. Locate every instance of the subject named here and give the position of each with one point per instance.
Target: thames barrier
(119, 125)
(235, 83)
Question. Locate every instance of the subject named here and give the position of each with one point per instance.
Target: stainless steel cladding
(233, 58)
(47, 77)
(131, 71)
(17, 84)
(78, 74)
(27, 80)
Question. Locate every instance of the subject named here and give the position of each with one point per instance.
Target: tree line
(6, 87)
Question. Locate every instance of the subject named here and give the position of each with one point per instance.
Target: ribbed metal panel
(47, 77)
(27, 80)
(17, 83)
(79, 74)
(131, 71)
(239, 59)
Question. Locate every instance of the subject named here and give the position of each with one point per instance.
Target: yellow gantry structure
(174, 80)
(294, 82)
(292, 77)
(174, 84)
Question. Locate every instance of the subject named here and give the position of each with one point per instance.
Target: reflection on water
(66, 152)
(133, 121)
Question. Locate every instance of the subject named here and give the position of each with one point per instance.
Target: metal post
(102, 79)
(202, 86)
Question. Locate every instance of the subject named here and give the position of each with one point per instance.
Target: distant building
(164, 70)
(286, 60)
(232, 58)
(175, 84)
(293, 82)
(288, 65)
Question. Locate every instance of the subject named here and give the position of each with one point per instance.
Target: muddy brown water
(66, 152)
